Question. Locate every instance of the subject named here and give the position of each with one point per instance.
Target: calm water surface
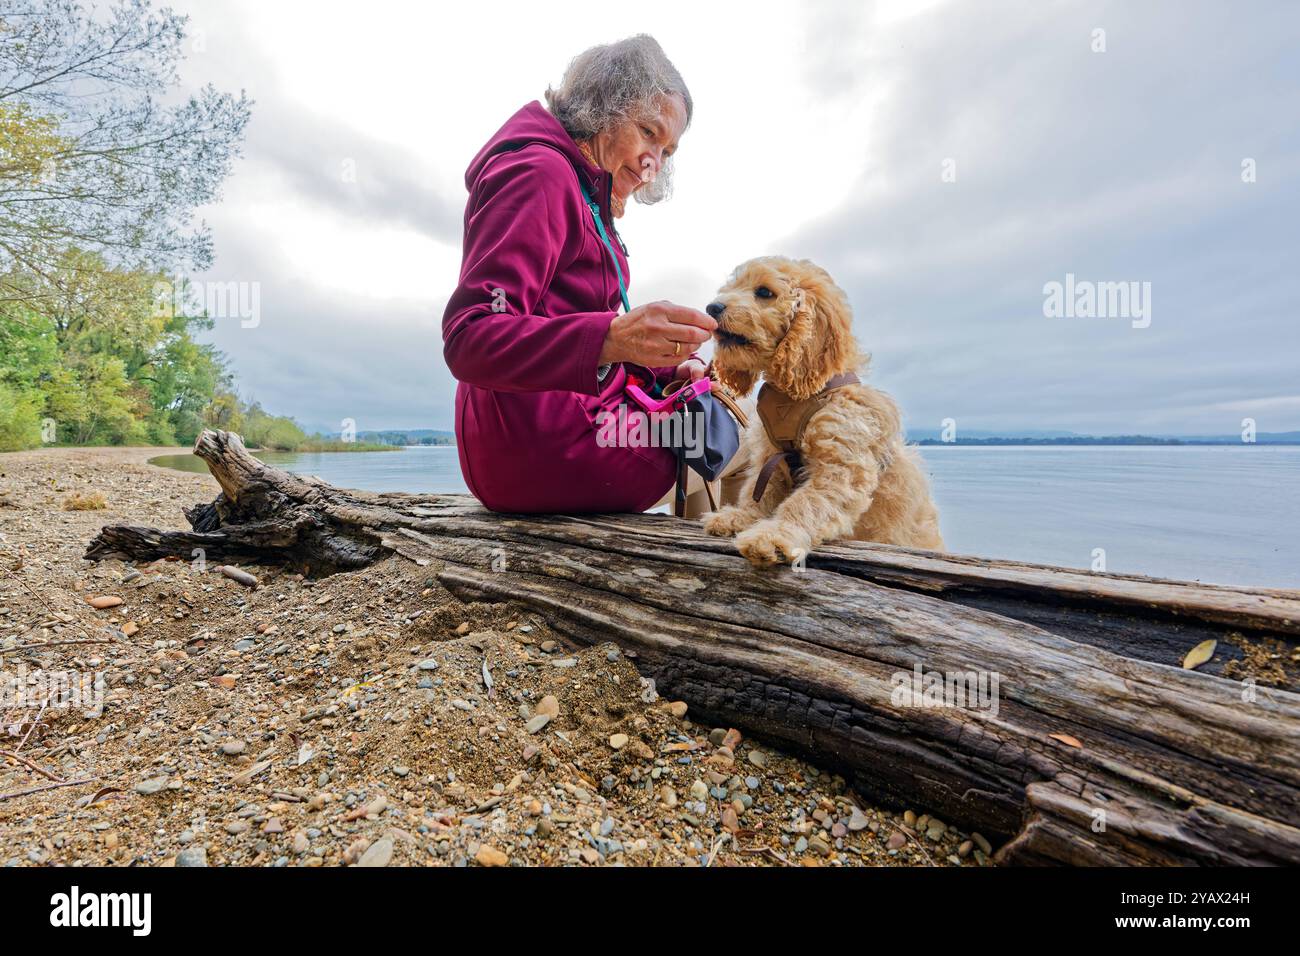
(1222, 514)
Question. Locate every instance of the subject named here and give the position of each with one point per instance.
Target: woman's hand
(693, 369)
(656, 334)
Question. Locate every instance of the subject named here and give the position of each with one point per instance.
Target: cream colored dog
(788, 321)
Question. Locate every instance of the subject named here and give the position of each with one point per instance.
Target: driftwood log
(1101, 749)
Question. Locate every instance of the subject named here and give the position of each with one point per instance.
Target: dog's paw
(730, 520)
(773, 544)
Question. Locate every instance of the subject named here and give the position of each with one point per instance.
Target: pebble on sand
(642, 750)
(239, 575)
(537, 722)
(148, 787)
(490, 856)
(379, 854)
(618, 741)
(192, 856)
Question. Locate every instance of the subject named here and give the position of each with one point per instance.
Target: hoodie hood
(535, 124)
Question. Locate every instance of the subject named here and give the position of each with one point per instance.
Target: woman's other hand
(693, 368)
(656, 334)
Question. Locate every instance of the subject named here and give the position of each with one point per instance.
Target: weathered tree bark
(1101, 749)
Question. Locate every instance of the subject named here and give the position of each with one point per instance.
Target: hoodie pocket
(597, 408)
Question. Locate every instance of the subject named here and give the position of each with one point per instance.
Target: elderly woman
(532, 332)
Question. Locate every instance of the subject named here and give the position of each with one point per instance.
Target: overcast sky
(944, 161)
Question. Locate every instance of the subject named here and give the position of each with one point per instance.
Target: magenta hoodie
(526, 356)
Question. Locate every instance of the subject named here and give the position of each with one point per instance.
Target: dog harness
(784, 420)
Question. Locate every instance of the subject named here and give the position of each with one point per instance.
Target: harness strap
(720, 393)
(679, 499)
(788, 448)
(792, 461)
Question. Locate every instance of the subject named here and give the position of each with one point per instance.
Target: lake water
(1221, 514)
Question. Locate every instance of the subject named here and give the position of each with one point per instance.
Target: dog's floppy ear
(819, 342)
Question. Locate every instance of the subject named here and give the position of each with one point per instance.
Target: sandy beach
(347, 720)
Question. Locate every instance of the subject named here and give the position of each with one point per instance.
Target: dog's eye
(763, 292)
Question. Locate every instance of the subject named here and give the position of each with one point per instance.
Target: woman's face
(634, 152)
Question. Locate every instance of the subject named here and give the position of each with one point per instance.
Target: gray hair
(609, 84)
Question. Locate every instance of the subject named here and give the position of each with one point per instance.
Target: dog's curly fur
(798, 338)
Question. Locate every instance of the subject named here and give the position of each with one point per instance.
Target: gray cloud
(325, 161)
(322, 359)
(319, 358)
(1123, 165)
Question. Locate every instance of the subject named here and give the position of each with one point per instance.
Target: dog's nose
(715, 309)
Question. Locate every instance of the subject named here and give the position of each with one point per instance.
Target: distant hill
(1059, 440)
(936, 434)
(410, 436)
(1262, 438)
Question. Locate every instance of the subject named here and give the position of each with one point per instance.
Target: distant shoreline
(308, 448)
(1119, 442)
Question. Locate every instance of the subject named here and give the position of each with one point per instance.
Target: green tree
(20, 418)
(270, 431)
(224, 413)
(71, 356)
(90, 157)
(95, 403)
(101, 168)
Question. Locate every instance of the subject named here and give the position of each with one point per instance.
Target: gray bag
(718, 419)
